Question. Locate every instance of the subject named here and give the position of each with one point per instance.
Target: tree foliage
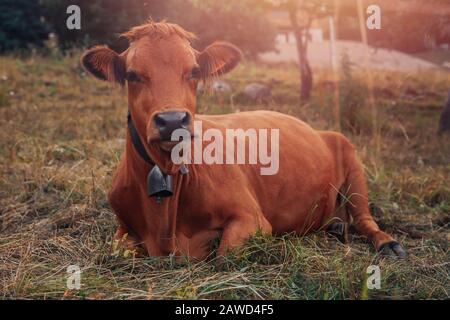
(240, 22)
(410, 29)
(21, 25)
(413, 30)
(101, 20)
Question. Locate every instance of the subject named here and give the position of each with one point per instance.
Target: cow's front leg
(128, 242)
(238, 230)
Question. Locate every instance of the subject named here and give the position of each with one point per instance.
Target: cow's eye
(195, 73)
(133, 77)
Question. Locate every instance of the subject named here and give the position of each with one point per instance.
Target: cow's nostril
(159, 121)
(167, 122)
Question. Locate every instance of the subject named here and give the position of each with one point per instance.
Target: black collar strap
(140, 147)
(159, 185)
(137, 142)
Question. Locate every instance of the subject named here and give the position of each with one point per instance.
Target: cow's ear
(104, 64)
(218, 58)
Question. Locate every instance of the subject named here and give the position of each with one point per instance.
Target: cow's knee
(339, 230)
(128, 242)
(238, 230)
(234, 234)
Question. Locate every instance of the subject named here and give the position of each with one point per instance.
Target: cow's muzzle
(167, 122)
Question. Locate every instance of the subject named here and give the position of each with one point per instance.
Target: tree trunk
(444, 122)
(306, 76)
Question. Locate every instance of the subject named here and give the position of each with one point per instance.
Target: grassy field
(61, 134)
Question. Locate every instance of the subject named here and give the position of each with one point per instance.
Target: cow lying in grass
(319, 179)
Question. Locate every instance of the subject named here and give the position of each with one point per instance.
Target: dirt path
(319, 56)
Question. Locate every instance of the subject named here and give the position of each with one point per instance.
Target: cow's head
(162, 71)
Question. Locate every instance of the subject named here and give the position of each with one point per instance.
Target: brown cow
(232, 202)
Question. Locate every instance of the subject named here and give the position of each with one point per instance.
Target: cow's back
(298, 192)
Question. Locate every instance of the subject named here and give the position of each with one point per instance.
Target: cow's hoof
(220, 263)
(339, 230)
(393, 248)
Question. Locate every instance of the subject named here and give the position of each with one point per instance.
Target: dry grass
(62, 133)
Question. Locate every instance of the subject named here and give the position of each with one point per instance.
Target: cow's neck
(166, 210)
